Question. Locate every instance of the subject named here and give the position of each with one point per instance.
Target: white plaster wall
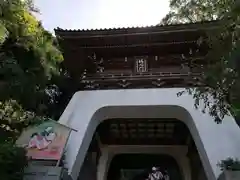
(88, 108)
(179, 153)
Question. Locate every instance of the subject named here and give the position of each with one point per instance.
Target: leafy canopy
(221, 77)
(29, 59)
(29, 56)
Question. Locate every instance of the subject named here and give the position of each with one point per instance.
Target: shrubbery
(13, 160)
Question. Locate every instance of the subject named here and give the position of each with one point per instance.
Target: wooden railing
(138, 76)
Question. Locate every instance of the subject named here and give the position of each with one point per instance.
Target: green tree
(13, 119)
(12, 161)
(191, 11)
(221, 74)
(29, 59)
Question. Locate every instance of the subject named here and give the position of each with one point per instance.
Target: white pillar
(184, 165)
(103, 165)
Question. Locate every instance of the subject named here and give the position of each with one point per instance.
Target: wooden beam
(134, 45)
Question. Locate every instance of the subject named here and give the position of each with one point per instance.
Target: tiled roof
(136, 27)
(104, 29)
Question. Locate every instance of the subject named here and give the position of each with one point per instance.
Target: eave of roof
(200, 25)
(105, 29)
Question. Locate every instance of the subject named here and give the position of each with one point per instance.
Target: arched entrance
(156, 141)
(88, 109)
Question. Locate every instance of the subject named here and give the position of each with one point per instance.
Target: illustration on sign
(45, 141)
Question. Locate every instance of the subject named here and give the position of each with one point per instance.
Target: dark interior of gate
(148, 132)
(139, 166)
(143, 132)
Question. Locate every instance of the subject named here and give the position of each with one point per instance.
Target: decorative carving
(97, 61)
(84, 74)
(123, 83)
(90, 84)
(158, 82)
(99, 65)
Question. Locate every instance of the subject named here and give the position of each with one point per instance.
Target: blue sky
(88, 14)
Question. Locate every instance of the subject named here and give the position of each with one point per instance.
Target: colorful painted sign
(45, 141)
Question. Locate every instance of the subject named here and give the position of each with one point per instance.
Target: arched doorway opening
(146, 142)
(139, 166)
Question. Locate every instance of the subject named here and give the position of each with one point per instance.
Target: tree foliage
(29, 57)
(229, 164)
(14, 119)
(12, 161)
(185, 11)
(221, 73)
(29, 60)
